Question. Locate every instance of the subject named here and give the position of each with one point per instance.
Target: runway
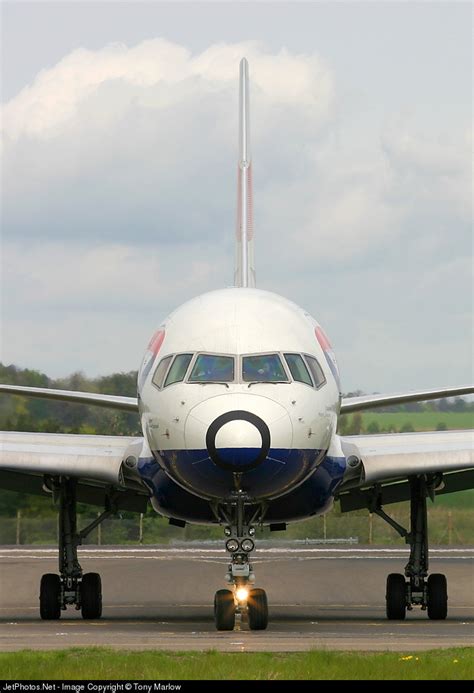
(161, 597)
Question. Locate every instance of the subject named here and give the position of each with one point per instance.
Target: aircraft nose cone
(238, 441)
(237, 433)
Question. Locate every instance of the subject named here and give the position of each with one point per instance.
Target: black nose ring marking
(238, 415)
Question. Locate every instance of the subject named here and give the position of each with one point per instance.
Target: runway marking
(257, 560)
(348, 626)
(67, 620)
(268, 635)
(272, 550)
(371, 558)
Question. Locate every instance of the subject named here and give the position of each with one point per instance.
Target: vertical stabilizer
(244, 266)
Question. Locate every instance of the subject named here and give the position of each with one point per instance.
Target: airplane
(239, 397)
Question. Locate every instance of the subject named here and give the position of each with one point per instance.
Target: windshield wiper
(266, 382)
(214, 382)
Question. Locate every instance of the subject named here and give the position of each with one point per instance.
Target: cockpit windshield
(209, 368)
(264, 368)
(298, 369)
(178, 370)
(255, 368)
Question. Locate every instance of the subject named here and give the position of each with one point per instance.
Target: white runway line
(174, 550)
(212, 555)
(257, 560)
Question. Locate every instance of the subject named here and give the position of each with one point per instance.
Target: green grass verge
(104, 663)
(450, 518)
(462, 500)
(420, 420)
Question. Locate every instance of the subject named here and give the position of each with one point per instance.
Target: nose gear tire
(257, 609)
(224, 610)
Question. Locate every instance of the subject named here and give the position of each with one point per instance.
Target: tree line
(32, 414)
(29, 414)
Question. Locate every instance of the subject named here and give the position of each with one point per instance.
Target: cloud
(111, 277)
(95, 307)
(123, 144)
(140, 142)
(119, 203)
(54, 100)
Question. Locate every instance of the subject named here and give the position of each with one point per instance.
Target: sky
(118, 177)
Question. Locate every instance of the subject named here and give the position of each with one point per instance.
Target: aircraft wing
(105, 466)
(348, 404)
(379, 466)
(351, 404)
(100, 400)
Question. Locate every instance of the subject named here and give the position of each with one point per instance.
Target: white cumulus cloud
(118, 195)
(55, 97)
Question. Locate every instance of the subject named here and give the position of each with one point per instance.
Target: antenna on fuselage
(244, 266)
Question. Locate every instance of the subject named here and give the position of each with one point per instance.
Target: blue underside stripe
(280, 473)
(239, 456)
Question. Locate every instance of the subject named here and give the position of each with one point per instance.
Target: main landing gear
(242, 598)
(415, 588)
(71, 586)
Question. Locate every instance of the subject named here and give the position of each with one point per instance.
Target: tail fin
(244, 266)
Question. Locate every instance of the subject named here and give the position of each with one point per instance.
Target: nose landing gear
(242, 599)
(251, 603)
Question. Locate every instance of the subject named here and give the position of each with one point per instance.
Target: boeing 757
(239, 399)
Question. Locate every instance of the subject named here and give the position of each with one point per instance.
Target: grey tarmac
(161, 597)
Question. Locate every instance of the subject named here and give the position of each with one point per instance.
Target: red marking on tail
(248, 174)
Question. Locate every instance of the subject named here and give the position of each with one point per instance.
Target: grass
(446, 525)
(420, 420)
(104, 663)
(462, 500)
(450, 517)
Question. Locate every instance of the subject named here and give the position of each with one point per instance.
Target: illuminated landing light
(242, 594)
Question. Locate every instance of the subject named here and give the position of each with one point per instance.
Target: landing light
(247, 545)
(232, 545)
(242, 594)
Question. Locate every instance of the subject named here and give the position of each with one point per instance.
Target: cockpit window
(266, 368)
(316, 371)
(298, 369)
(212, 369)
(161, 371)
(178, 370)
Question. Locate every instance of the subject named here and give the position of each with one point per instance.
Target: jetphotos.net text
(90, 686)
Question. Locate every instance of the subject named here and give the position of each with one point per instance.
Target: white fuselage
(299, 417)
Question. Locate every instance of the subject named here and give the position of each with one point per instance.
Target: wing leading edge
(98, 399)
(102, 465)
(379, 466)
(348, 404)
(351, 404)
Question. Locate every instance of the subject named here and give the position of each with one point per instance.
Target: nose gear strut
(243, 598)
